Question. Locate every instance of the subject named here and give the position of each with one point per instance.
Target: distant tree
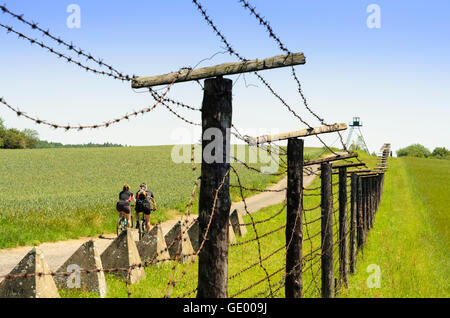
(2, 127)
(415, 150)
(441, 153)
(14, 139)
(2, 132)
(31, 137)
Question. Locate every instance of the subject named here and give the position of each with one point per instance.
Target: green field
(59, 194)
(410, 238)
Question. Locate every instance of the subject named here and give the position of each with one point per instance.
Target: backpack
(142, 195)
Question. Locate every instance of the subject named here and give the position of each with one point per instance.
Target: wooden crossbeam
(348, 165)
(369, 174)
(329, 159)
(299, 133)
(220, 70)
(349, 172)
(359, 171)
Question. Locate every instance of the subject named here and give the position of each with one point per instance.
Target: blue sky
(396, 78)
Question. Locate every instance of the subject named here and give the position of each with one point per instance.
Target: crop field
(59, 194)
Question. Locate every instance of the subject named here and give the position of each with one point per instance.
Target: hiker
(143, 198)
(123, 205)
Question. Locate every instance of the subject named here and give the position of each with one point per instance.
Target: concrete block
(182, 248)
(122, 253)
(30, 287)
(237, 221)
(86, 257)
(231, 234)
(153, 243)
(194, 235)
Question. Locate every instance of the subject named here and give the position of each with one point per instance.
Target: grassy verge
(408, 241)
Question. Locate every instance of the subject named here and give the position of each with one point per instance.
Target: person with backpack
(143, 198)
(123, 205)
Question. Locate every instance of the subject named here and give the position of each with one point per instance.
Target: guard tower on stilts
(356, 125)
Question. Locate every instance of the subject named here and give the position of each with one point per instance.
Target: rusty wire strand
(69, 46)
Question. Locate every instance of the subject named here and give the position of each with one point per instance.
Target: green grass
(59, 194)
(409, 241)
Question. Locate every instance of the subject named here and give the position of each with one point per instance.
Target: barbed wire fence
(323, 254)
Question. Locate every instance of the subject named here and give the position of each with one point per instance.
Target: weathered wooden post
(364, 195)
(378, 192)
(359, 200)
(374, 198)
(380, 188)
(343, 251)
(353, 214)
(369, 203)
(327, 230)
(216, 122)
(294, 223)
(214, 200)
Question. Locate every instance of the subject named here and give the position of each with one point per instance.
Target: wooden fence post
(213, 258)
(353, 214)
(369, 201)
(364, 185)
(343, 251)
(380, 189)
(359, 200)
(373, 199)
(327, 230)
(294, 215)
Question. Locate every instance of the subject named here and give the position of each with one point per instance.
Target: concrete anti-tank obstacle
(35, 286)
(86, 257)
(237, 223)
(153, 242)
(181, 247)
(123, 253)
(195, 239)
(231, 234)
(193, 233)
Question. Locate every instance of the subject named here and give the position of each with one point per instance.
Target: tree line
(13, 138)
(420, 151)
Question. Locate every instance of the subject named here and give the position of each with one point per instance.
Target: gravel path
(56, 253)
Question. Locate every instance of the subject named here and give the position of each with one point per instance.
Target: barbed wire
(82, 127)
(60, 55)
(69, 46)
(241, 58)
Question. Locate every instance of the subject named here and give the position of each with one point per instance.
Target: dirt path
(56, 253)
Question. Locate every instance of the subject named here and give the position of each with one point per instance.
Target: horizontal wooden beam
(369, 174)
(349, 172)
(298, 133)
(348, 165)
(220, 70)
(359, 171)
(329, 159)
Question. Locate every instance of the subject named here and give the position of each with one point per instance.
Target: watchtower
(356, 124)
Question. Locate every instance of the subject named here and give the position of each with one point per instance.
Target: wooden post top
(220, 70)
